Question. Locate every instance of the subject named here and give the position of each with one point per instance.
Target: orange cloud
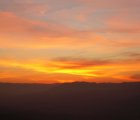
(86, 70)
(11, 23)
(124, 22)
(36, 34)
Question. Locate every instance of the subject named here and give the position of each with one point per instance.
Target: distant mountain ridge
(70, 101)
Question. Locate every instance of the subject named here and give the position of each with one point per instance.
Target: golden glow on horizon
(47, 69)
(103, 71)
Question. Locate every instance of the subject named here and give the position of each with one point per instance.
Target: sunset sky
(56, 41)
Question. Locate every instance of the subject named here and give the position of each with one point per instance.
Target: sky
(58, 41)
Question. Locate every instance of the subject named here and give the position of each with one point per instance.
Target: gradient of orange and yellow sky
(50, 41)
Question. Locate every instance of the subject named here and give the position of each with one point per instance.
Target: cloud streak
(69, 40)
(84, 69)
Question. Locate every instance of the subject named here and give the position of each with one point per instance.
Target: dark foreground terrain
(73, 101)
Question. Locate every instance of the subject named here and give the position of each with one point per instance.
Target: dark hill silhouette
(70, 101)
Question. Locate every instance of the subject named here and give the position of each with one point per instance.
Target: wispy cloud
(69, 40)
(83, 69)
